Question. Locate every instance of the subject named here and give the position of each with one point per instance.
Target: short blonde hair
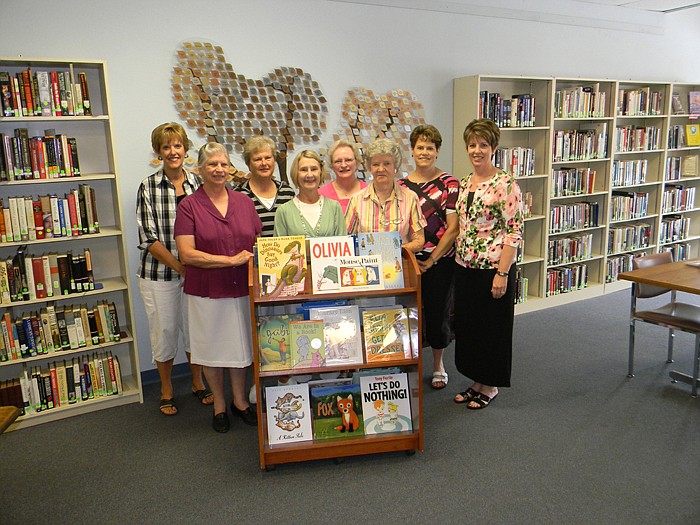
(166, 133)
(384, 146)
(344, 143)
(209, 150)
(305, 154)
(257, 143)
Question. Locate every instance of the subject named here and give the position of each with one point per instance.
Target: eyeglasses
(339, 162)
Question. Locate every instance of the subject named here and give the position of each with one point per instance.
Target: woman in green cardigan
(309, 213)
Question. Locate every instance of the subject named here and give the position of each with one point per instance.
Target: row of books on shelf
(521, 286)
(572, 181)
(676, 197)
(629, 172)
(56, 329)
(515, 112)
(49, 216)
(49, 156)
(519, 162)
(639, 102)
(370, 402)
(680, 251)
(569, 249)
(573, 216)
(580, 144)
(681, 136)
(345, 263)
(674, 228)
(337, 334)
(580, 102)
(618, 264)
(29, 93)
(637, 138)
(63, 383)
(681, 167)
(626, 205)
(566, 279)
(629, 237)
(25, 277)
(527, 204)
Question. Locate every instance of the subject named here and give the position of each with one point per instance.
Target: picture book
(323, 253)
(288, 414)
(307, 344)
(386, 334)
(412, 314)
(349, 274)
(692, 134)
(341, 329)
(388, 245)
(281, 265)
(336, 411)
(694, 102)
(274, 341)
(386, 403)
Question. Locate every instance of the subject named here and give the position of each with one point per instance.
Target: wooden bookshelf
(95, 144)
(618, 112)
(271, 455)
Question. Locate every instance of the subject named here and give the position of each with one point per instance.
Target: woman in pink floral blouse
(490, 226)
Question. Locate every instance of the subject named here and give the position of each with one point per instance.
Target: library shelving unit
(337, 448)
(534, 137)
(611, 153)
(94, 139)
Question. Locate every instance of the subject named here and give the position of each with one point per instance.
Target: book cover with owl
(337, 411)
(388, 245)
(307, 344)
(386, 403)
(288, 414)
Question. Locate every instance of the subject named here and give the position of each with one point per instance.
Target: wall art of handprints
(286, 105)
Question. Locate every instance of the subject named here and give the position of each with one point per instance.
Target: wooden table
(674, 276)
(7, 416)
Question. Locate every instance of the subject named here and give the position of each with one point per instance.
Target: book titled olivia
(352, 273)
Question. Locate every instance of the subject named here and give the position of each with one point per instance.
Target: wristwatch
(502, 274)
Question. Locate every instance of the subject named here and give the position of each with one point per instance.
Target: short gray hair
(209, 150)
(384, 146)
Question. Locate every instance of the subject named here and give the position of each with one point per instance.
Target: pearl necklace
(317, 230)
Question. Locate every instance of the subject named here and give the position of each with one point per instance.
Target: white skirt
(220, 331)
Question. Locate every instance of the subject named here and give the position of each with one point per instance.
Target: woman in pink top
(344, 159)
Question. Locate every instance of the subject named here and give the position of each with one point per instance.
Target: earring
(160, 158)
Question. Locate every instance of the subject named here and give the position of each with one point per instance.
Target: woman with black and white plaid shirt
(160, 272)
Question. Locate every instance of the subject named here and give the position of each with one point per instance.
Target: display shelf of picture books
(620, 161)
(337, 367)
(66, 322)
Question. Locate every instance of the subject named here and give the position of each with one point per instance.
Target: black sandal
(467, 395)
(203, 394)
(168, 403)
(482, 401)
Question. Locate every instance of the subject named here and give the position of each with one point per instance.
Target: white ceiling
(661, 6)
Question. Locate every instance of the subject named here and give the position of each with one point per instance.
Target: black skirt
(483, 327)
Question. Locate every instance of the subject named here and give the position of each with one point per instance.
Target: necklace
(315, 232)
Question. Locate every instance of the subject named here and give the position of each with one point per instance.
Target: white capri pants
(166, 309)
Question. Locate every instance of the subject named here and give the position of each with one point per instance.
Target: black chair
(673, 315)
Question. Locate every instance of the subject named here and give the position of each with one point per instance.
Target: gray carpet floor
(573, 441)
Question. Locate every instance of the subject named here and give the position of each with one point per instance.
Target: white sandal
(439, 377)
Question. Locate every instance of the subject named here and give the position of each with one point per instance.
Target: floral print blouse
(494, 219)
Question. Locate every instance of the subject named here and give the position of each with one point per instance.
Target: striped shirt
(285, 193)
(399, 212)
(156, 204)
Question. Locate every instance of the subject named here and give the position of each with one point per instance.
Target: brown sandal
(204, 395)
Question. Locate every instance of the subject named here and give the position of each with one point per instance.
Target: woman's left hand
(498, 288)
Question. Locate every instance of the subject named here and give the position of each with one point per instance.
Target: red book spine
(38, 219)
(41, 157)
(39, 278)
(34, 158)
(27, 86)
(73, 212)
(54, 386)
(56, 94)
